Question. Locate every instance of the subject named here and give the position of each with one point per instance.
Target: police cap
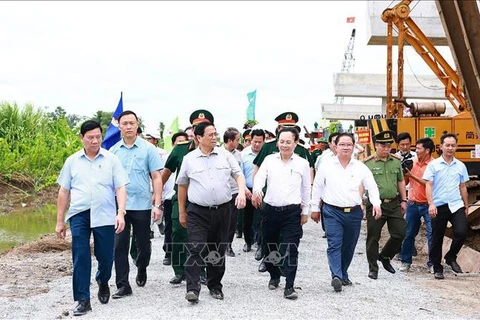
(287, 119)
(199, 116)
(387, 136)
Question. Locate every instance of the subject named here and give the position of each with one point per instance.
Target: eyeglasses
(345, 145)
(211, 135)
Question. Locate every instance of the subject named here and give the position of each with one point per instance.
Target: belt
(419, 203)
(216, 207)
(390, 200)
(289, 207)
(344, 209)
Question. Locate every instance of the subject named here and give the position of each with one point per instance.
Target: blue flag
(252, 97)
(113, 134)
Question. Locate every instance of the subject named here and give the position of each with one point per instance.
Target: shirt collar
(100, 153)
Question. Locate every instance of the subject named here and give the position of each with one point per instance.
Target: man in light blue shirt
(142, 162)
(447, 202)
(91, 178)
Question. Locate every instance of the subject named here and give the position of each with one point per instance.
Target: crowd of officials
(263, 190)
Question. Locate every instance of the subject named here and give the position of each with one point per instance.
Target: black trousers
(286, 223)
(140, 221)
(439, 224)
(207, 241)
(233, 219)
(167, 214)
(248, 213)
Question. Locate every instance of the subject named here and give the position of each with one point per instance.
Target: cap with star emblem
(387, 136)
(199, 116)
(287, 119)
(247, 134)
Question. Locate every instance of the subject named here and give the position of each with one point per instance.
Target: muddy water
(20, 227)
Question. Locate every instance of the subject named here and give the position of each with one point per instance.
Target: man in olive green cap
(388, 174)
(173, 164)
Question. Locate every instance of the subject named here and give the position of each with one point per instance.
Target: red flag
(350, 19)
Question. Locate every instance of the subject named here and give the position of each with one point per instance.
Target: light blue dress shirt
(139, 161)
(446, 181)
(92, 185)
(247, 158)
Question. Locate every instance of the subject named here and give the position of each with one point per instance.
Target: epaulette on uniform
(369, 158)
(396, 156)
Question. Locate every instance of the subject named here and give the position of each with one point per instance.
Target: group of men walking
(277, 181)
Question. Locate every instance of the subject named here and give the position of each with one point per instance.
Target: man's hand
(119, 223)
(61, 230)
(248, 194)
(182, 218)
(316, 216)
(377, 212)
(240, 201)
(304, 219)
(403, 206)
(257, 199)
(156, 214)
(407, 173)
(432, 210)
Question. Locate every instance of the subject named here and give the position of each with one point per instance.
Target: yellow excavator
(461, 21)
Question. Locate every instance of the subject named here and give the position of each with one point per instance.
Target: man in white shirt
(338, 183)
(286, 207)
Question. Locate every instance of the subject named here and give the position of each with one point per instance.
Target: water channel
(17, 228)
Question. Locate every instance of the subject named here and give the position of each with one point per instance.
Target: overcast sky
(170, 58)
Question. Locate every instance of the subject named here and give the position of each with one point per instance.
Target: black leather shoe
(177, 279)
(167, 261)
(438, 275)
(386, 264)
(373, 275)
(336, 284)
(262, 267)
(216, 294)
(122, 292)
(258, 254)
(103, 293)
(455, 266)
(273, 284)
(141, 278)
(247, 248)
(290, 293)
(82, 307)
(346, 282)
(192, 296)
(230, 252)
(152, 234)
(203, 280)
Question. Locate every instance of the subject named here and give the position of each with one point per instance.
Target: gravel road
(399, 295)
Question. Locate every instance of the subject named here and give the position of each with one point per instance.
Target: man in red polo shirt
(417, 206)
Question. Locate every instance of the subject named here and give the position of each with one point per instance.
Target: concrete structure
(375, 86)
(348, 111)
(423, 13)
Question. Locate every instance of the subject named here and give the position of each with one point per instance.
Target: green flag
(252, 97)
(167, 142)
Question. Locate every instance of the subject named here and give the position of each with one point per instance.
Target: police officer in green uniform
(287, 119)
(387, 171)
(179, 233)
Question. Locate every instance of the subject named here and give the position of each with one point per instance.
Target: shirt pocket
(222, 172)
(104, 178)
(138, 164)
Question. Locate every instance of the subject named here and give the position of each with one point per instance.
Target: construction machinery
(461, 20)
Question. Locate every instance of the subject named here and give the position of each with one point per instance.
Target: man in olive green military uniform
(286, 119)
(388, 174)
(179, 233)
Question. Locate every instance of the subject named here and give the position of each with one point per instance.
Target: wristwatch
(158, 206)
(122, 211)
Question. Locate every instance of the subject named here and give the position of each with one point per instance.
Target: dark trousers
(248, 212)
(233, 219)
(140, 221)
(439, 224)
(343, 229)
(103, 238)
(167, 214)
(392, 215)
(208, 234)
(287, 224)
